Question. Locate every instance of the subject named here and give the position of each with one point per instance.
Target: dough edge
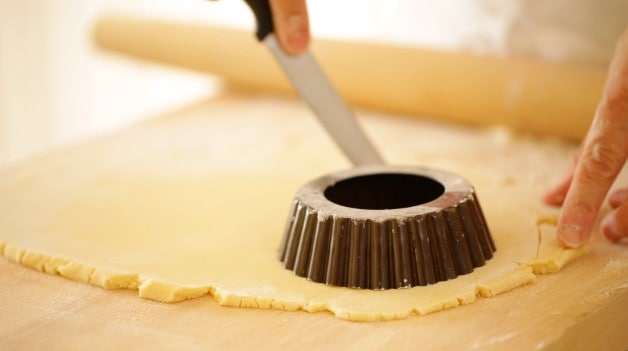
(161, 291)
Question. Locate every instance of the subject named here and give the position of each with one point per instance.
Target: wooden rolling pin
(526, 94)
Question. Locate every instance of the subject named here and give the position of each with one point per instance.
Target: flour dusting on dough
(175, 210)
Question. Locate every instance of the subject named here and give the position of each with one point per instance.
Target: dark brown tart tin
(385, 227)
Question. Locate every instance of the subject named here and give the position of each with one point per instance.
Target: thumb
(291, 23)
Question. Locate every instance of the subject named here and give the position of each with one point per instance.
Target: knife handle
(263, 16)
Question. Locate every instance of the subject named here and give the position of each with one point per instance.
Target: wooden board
(582, 307)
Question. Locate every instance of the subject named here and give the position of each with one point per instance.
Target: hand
(291, 24)
(597, 164)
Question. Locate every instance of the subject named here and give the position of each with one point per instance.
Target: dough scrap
(168, 209)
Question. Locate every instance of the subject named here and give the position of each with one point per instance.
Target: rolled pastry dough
(184, 207)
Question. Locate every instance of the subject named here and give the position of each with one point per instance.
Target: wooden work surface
(582, 307)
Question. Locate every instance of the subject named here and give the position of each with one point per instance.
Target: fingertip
(609, 228)
(295, 35)
(571, 236)
(575, 224)
(618, 197)
(567, 244)
(615, 225)
(554, 197)
(291, 22)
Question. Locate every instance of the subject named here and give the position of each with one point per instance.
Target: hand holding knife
(313, 86)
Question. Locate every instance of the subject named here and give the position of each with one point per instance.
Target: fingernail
(610, 227)
(297, 36)
(571, 236)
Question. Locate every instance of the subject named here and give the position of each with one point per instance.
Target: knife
(310, 82)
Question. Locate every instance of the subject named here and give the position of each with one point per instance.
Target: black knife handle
(263, 16)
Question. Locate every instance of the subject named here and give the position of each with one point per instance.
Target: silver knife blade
(313, 86)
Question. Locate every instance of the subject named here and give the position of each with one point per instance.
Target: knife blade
(309, 80)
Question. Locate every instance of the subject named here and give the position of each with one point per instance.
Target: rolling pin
(526, 94)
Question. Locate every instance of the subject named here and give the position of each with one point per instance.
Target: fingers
(597, 169)
(615, 225)
(603, 155)
(291, 23)
(555, 196)
(618, 197)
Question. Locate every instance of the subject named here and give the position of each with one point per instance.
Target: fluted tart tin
(385, 227)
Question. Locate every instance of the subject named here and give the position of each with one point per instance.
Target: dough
(194, 205)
